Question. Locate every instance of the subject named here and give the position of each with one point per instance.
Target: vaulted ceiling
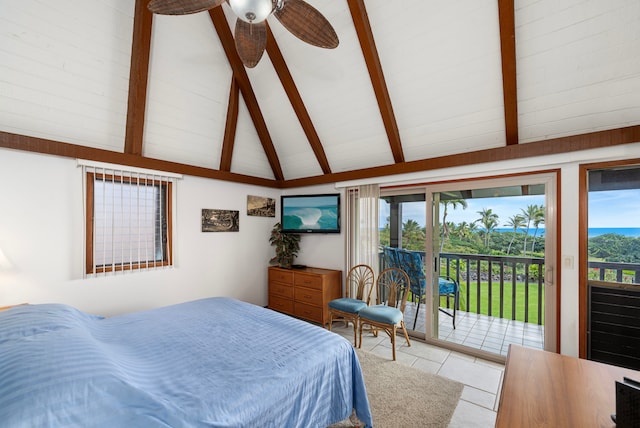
(413, 85)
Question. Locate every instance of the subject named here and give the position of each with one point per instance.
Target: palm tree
(413, 236)
(489, 220)
(537, 221)
(464, 230)
(446, 227)
(529, 215)
(515, 221)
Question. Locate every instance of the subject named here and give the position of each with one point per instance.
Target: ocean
(633, 232)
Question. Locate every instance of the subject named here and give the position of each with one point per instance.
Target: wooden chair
(360, 280)
(392, 288)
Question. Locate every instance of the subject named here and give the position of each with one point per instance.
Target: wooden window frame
(167, 253)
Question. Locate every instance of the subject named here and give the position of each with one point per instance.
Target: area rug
(401, 396)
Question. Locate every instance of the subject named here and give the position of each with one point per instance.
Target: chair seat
(346, 304)
(446, 287)
(382, 313)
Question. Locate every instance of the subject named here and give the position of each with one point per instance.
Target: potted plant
(287, 246)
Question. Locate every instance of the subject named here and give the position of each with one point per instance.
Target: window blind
(128, 219)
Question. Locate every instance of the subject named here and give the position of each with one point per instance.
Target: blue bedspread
(214, 362)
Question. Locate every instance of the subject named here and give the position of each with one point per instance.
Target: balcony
(487, 333)
(501, 301)
(501, 298)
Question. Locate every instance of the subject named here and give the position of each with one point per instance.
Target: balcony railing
(513, 287)
(517, 281)
(628, 273)
(500, 286)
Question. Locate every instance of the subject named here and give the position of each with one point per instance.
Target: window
(613, 244)
(128, 220)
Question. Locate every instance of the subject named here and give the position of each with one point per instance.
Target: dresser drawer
(281, 304)
(308, 296)
(281, 275)
(304, 292)
(312, 313)
(309, 281)
(281, 290)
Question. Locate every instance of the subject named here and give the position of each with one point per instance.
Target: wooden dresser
(304, 293)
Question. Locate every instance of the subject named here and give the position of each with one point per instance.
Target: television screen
(310, 213)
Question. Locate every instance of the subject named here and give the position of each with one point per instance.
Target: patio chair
(390, 257)
(412, 263)
(360, 281)
(449, 288)
(392, 289)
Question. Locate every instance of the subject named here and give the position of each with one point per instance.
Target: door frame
(583, 244)
(551, 179)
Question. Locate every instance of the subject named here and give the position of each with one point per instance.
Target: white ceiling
(64, 69)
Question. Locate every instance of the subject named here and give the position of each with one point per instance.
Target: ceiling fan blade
(306, 23)
(251, 39)
(181, 7)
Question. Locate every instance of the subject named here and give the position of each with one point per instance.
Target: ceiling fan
(297, 16)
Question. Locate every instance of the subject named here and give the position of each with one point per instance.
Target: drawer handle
(306, 296)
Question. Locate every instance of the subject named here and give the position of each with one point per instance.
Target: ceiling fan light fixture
(252, 11)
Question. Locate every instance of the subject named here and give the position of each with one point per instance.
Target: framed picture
(220, 220)
(260, 206)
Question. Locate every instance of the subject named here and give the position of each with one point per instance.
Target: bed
(214, 362)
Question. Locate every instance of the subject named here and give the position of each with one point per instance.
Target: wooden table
(544, 389)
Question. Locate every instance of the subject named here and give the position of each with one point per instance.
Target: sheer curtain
(362, 226)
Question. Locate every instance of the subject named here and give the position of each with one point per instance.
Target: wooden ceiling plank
(506, 16)
(289, 85)
(230, 127)
(58, 148)
(370, 53)
(240, 74)
(138, 75)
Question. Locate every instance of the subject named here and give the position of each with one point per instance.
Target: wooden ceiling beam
(593, 140)
(74, 151)
(138, 75)
(506, 17)
(230, 126)
(240, 74)
(370, 53)
(554, 146)
(289, 85)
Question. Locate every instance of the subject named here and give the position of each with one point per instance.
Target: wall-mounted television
(310, 213)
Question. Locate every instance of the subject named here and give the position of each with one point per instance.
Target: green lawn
(495, 300)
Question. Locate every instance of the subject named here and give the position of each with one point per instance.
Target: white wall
(41, 236)
(568, 164)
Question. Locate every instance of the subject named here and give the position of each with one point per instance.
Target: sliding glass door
(486, 256)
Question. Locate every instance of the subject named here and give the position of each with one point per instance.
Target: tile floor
(482, 379)
(483, 332)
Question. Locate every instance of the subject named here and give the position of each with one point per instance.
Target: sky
(606, 209)
(614, 208)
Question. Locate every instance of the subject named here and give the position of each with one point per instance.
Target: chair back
(360, 280)
(411, 263)
(389, 257)
(393, 288)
